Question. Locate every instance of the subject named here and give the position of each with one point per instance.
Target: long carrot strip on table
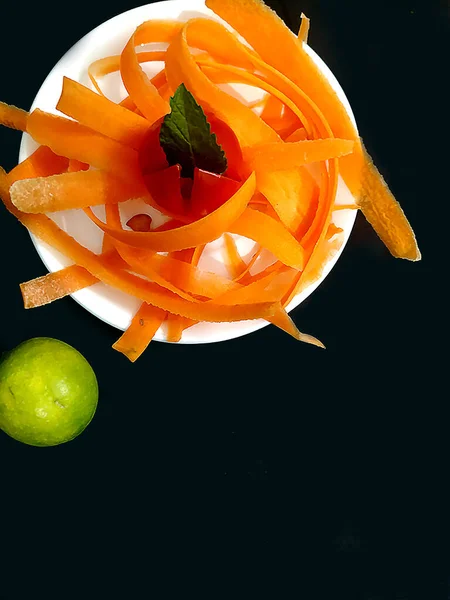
(72, 190)
(101, 114)
(143, 93)
(13, 117)
(69, 138)
(385, 214)
(276, 44)
(202, 231)
(141, 331)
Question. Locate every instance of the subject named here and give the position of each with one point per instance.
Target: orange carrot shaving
(273, 109)
(304, 29)
(143, 93)
(198, 251)
(62, 283)
(13, 117)
(272, 235)
(112, 216)
(42, 163)
(111, 64)
(298, 135)
(270, 287)
(175, 274)
(71, 190)
(284, 322)
(345, 207)
(251, 263)
(332, 231)
(315, 267)
(235, 264)
(385, 214)
(75, 165)
(70, 139)
(296, 154)
(202, 231)
(293, 195)
(54, 286)
(101, 114)
(141, 331)
(175, 325)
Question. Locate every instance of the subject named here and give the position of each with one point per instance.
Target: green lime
(48, 392)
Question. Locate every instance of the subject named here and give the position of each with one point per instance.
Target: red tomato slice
(151, 156)
(230, 145)
(210, 191)
(165, 189)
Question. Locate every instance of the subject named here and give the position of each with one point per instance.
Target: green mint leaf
(186, 137)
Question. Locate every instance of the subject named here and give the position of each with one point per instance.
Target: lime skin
(48, 392)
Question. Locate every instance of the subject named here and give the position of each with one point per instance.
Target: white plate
(106, 303)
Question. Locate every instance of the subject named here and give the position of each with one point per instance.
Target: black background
(331, 463)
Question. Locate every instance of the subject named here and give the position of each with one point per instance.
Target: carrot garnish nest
(214, 165)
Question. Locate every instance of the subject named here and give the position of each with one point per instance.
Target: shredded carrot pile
(293, 145)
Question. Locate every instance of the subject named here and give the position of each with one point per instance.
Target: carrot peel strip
(277, 157)
(304, 29)
(272, 235)
(71, 190)
(141, 331)
(13, 117)
(199, 232)
(385, 214)
(235, 264)
(143, 93)
(42, 163)
(101, 114)
(54, 286)
(69, 138)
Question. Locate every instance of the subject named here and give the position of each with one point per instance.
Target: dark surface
(331, 461)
